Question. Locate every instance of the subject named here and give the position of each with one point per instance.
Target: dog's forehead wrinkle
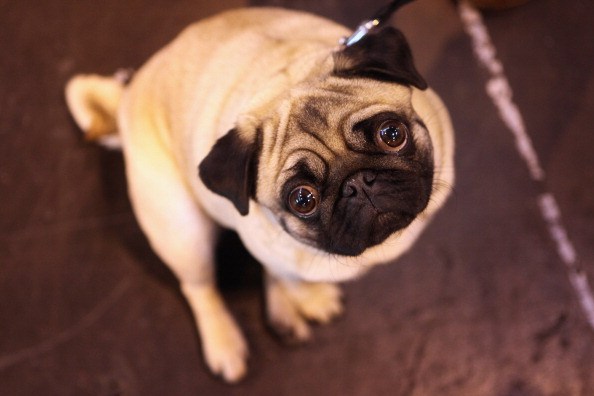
(309, 145)
(275, 139)
(310, 159)
(371, 110)
(320, 133)
(322, 129)
(315, 112)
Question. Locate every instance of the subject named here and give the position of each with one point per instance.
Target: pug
(325, 159)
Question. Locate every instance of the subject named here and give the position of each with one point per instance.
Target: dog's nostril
(349, 189)
(369, 177)
(360, 181)
(357, 182)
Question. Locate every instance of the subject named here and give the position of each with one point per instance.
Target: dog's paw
(319, 302)
(223, 346)
(290, 305)
(225, 350)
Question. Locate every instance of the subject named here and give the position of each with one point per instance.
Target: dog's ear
(230, 169)
(382, 55)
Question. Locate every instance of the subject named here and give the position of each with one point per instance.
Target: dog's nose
(357, 184)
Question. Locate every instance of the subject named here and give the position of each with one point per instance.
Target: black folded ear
(230, 169)
(382, 55)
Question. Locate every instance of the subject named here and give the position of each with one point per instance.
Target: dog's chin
(371, 233)
(367, 220)
(355, 242)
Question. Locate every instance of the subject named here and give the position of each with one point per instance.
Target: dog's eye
(303, 201)
(392, 136)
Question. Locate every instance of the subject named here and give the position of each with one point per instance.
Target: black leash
(379, 18)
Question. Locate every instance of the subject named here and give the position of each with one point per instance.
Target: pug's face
(342, 163)
(351, 165)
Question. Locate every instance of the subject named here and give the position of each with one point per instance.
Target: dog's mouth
(370, 232)
(366, 214)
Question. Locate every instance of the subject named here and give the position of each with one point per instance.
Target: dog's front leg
(184, 237)
(224, 348)
(291, 304)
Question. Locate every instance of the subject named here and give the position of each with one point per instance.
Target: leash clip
(380, 17)
(359, 33)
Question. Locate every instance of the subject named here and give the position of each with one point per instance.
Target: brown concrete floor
(481, 305)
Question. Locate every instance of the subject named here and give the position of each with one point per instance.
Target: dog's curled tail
(93, 101)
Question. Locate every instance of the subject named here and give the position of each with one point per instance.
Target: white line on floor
(500, 91)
